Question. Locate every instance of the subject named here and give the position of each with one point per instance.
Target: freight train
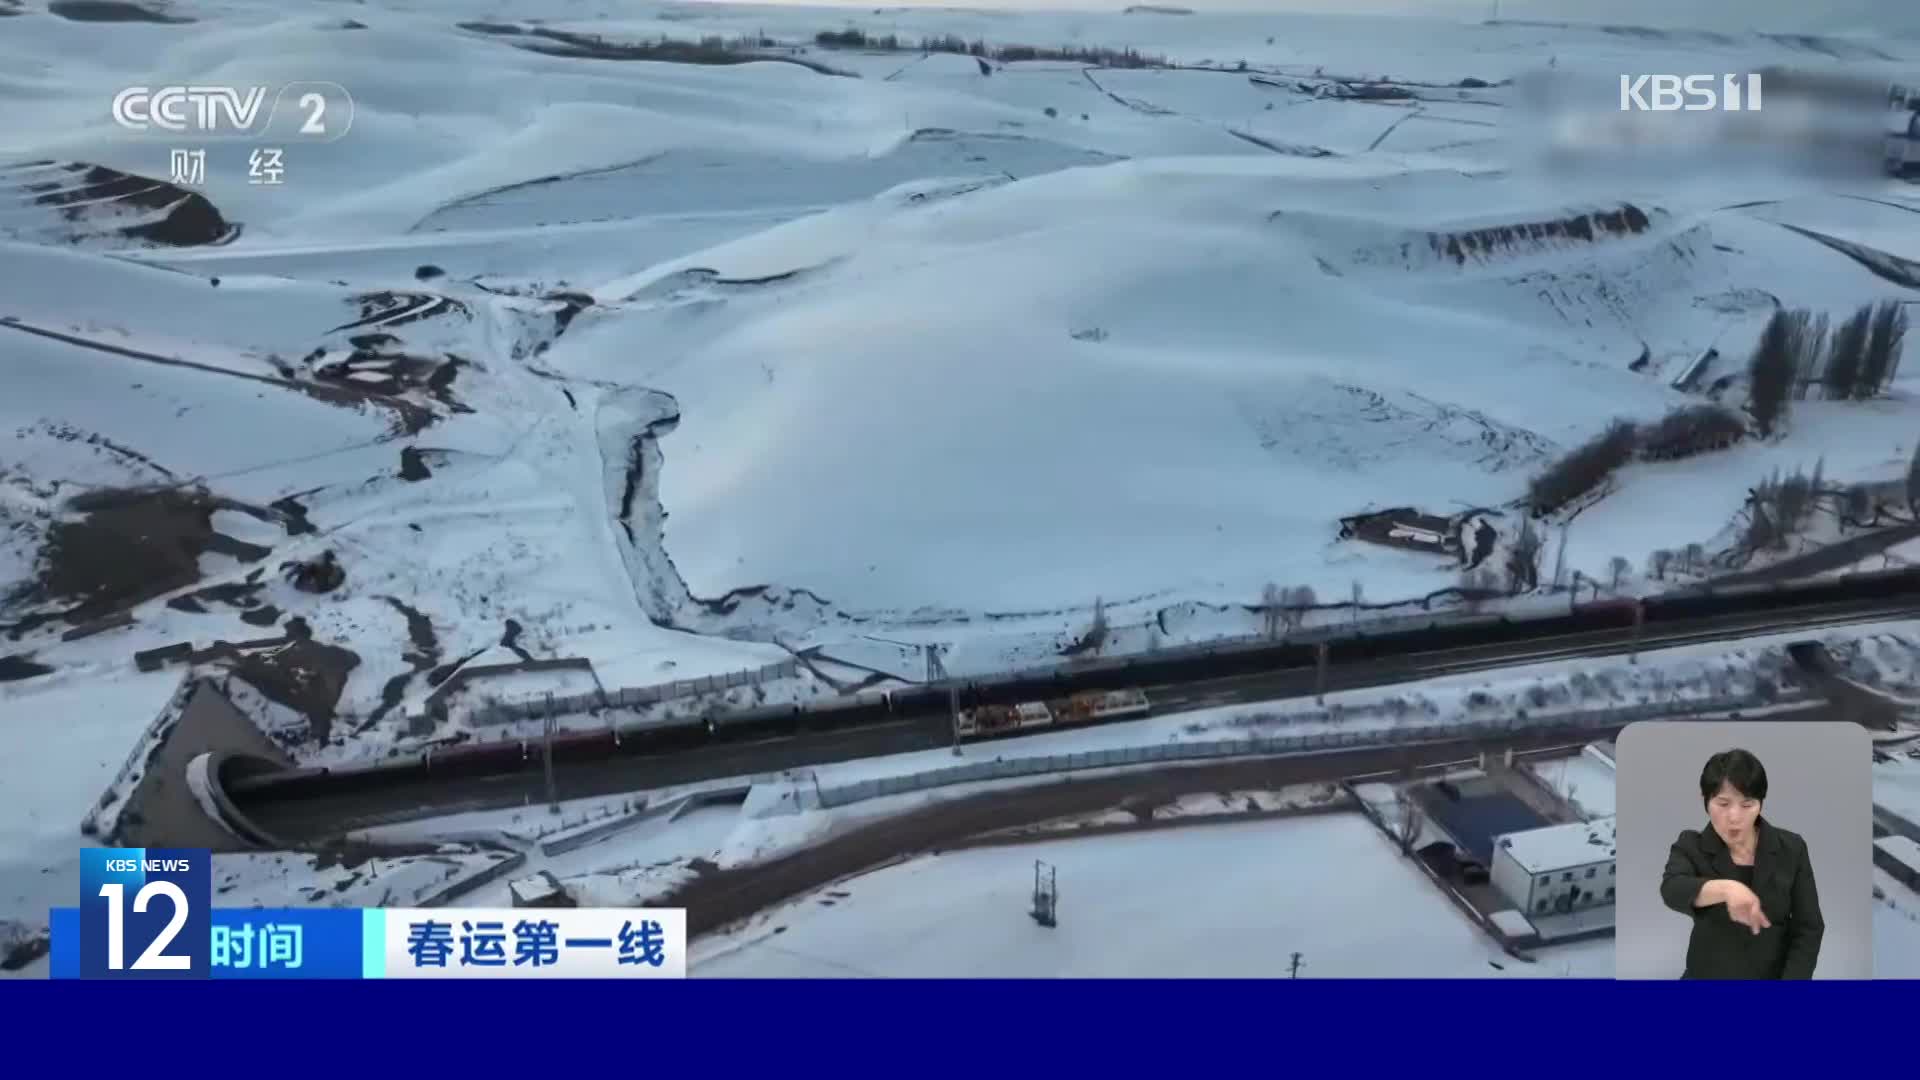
(919, 714)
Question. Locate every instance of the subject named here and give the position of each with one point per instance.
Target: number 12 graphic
(153, 904)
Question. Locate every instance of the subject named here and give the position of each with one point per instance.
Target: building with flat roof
(1556, 869)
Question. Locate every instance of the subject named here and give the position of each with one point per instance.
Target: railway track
(311, 805)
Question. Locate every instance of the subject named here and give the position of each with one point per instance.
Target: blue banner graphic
(374, 943)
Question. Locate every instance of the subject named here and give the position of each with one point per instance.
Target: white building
(1556, 869)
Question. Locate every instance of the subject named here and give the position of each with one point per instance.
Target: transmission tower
(1046, 895)
(937, 674)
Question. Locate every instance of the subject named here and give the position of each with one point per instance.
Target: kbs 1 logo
(320, 111)
(145, 913)
(1690, 93)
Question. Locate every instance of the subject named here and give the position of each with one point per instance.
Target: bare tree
(1694, 558)
(1809, 349)
(1793, 502)
(1847, 357)
(1407, 817)
(1886, 339)
(1273, 609)
(1778, 508)
(1095, 639)
(1658, 563)
(1470, 595)
(1857, 501)
(1523, 560)
(1300, 600)
(1771, 371)
(1763, 531)
(1618, 567)
(1477, 587)
(1582, 469)
(1913, 482)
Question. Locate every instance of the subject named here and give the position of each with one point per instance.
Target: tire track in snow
(1391, 128)
(1882, 264)
(1145, 108)
(906, 67)
(1908, 207)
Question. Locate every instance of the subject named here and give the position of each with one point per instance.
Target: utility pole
(1639, 618)
(953, 716)
(553, 793)
(1320, 663)
(1560, 560)
(1293, 968)
(937, 674)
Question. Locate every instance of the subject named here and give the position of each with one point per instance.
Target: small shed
(541, 890)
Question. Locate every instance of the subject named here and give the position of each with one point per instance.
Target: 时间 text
(244, 946)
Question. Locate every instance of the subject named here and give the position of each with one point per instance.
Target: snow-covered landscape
(642, 346)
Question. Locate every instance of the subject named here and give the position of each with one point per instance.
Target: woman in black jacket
(1746, 883)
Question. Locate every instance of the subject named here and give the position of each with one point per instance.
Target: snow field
(937, 354)
(1227, 901)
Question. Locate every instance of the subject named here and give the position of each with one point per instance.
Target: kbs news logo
(1690, 93)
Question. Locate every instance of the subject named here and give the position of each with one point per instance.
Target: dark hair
(1738, 768)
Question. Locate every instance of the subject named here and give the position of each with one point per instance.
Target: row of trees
(1796, 353)
(1284, 608)
(854, 38)
(1691, 559)
(1781, 506)
(1688, 430)
(1582, 469)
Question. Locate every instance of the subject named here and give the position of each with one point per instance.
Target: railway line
(301, 806)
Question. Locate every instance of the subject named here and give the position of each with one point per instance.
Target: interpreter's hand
(1743, 907)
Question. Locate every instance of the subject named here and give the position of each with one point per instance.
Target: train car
(909, 701)
(760, 722)
(1608, 611)
(1096, 706)
(987, 720)
(845, 712)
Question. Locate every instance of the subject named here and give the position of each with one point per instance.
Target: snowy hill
(565, 350)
